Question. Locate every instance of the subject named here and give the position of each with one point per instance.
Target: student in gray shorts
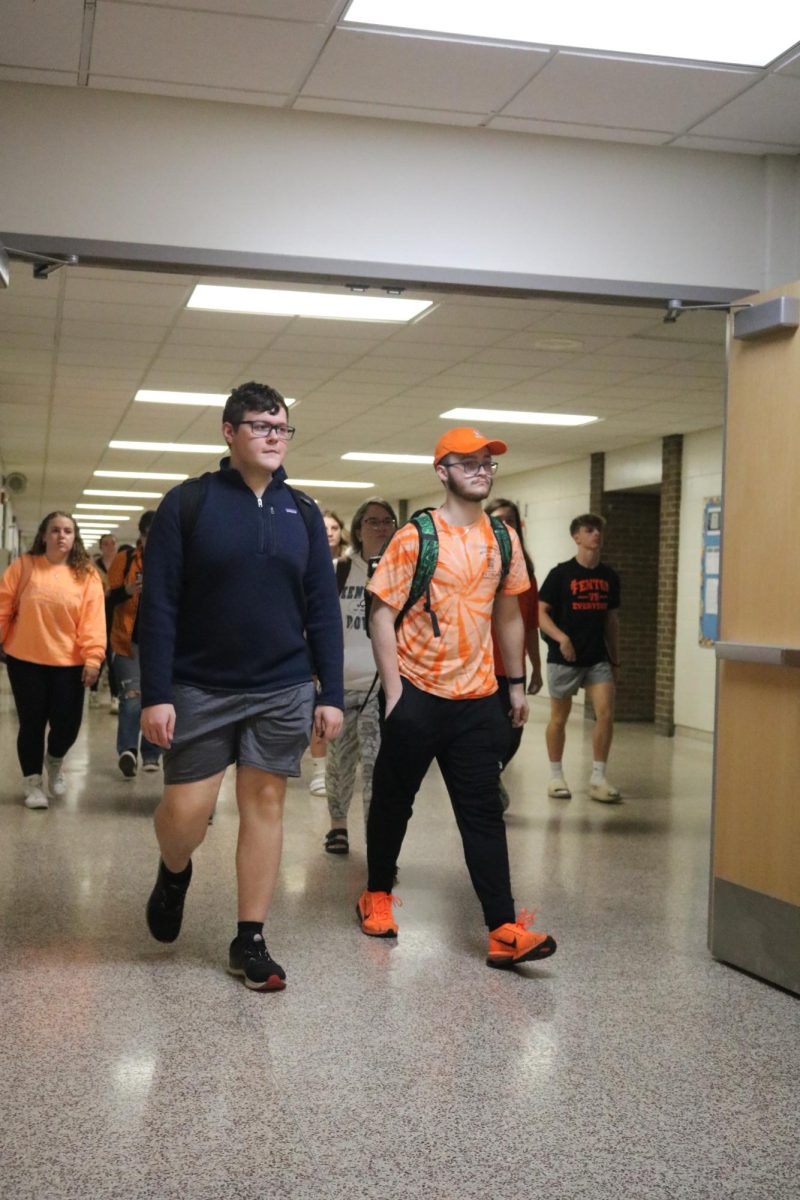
(239, 610)
(579, 619)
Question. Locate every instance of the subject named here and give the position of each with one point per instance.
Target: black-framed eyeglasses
(471, 467)
(284, 433)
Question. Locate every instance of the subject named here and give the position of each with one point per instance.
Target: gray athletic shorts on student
(215, 729)
(564, 681)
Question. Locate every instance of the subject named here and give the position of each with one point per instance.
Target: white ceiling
(75, 347)
(293, 54)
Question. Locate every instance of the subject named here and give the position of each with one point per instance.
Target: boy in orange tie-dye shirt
(439, 694)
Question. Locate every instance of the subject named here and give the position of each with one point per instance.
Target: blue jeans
(127, 673)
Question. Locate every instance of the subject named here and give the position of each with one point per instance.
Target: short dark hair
(586, 521)
(145, 521)
(358, 518)
(252, 397)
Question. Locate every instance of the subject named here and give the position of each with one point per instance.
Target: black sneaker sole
(543, 950)
(273, 984)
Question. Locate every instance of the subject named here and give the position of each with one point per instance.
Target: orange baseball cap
(466, 441)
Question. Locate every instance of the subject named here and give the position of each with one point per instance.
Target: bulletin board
(709, 571)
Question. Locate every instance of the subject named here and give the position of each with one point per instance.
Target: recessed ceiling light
(134, 495)
(507, 416)
(168, 447)
(109, 507)
(271, 302)
(358, 456)
(212, 399)
(692, 31)
(141, 475)
(328, 483)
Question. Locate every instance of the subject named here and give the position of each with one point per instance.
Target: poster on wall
(709, 571)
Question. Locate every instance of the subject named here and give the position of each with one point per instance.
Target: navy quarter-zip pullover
(248, 604)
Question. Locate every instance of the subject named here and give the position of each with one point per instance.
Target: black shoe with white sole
(127, 763)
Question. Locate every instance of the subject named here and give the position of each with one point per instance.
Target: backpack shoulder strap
(191, 497)
(500, 531)
(343, 566)
(305, 506)
(427, 558)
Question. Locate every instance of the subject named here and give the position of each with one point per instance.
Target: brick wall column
(597, 476)
(671, 458)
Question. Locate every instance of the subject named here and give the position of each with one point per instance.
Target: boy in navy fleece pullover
(238, 612)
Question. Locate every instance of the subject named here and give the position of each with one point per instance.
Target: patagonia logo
(292, 510)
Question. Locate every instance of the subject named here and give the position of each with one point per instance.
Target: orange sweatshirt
(60, 619)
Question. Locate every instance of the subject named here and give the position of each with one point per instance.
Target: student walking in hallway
(439, 689)
(239, 610)
(579, 618)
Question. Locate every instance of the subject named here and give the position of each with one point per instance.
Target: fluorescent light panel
(168, 447)
(212, 399)
(328, 483)
(110, 507)
(134, 495)
(507, 416)
(325, 306)
(140, 475)
(359, 456)
(698, 32)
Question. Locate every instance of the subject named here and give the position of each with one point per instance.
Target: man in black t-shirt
(579, 620)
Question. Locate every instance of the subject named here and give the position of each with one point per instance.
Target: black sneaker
(249, 957)
(165, 906)
(127, 763)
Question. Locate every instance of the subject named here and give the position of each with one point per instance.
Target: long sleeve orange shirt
(60, 619)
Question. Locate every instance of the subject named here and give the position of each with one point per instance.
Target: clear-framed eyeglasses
(379, 522)
(472, 467)
(284, 433)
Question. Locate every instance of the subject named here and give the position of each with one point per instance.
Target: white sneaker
(34, 796)
(55, 775)
(113, 707)
(557, 788)
(317, 785)
(605, 792)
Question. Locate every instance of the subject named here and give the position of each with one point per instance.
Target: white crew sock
(556, 770)
(598, 772)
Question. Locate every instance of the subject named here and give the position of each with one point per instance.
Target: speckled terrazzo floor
(630, 1065)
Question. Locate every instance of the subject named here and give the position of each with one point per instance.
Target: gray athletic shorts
(215, 729)
(564, 681)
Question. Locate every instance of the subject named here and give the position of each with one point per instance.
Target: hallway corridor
(630, 1065)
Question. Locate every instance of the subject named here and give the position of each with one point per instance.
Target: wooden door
(755, 891)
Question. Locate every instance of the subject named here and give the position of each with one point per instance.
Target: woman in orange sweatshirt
(53, 631)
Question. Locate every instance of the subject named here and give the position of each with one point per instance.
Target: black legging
(45, 696)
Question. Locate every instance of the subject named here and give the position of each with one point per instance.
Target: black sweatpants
(469, 740)
(45, 696)
(515, 735)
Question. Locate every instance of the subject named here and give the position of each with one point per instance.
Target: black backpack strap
(500, 531)
(305, 506)
(343, 566)
(191, 497)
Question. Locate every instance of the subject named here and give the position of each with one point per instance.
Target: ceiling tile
(590, 89)
(45, 34)
(768, 112)
(134, 41)
(38, 75)
(432, 73)
(310, 11)
(188, 91)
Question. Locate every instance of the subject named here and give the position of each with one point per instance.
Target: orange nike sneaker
(515, 942)
(375, 913)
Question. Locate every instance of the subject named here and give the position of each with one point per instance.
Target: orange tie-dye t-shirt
(458, 664)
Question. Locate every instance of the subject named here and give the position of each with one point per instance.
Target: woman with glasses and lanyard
(372, 526)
